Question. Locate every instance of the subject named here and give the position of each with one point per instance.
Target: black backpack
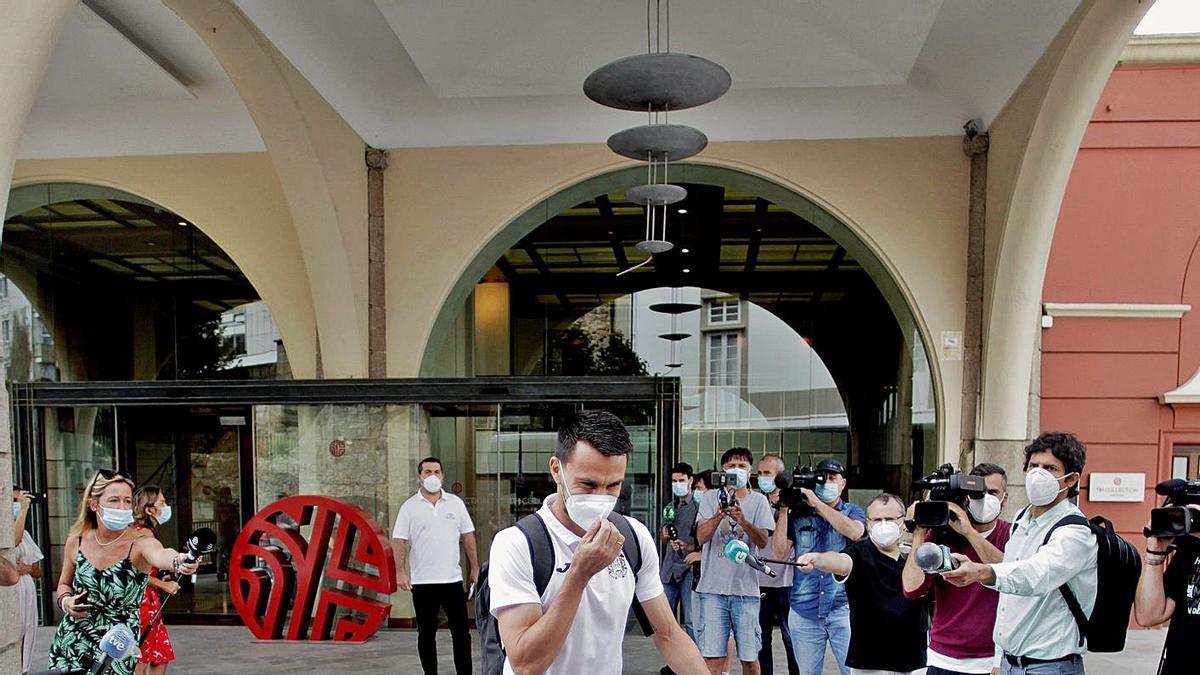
(1118, 567)
(541, 552)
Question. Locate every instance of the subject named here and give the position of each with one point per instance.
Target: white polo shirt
(594, 641)
(433, 531)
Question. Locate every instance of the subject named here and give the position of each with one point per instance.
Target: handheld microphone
(934, 558)
(117, 644)
(739, 552)
(202, 542)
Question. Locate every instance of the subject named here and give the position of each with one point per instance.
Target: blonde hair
(145, 496)
(86, 520)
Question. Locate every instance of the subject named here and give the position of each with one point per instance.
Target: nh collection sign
(1117, 487)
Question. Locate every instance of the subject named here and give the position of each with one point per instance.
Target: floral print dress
(115, 594)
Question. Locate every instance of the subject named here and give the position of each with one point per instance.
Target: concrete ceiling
(129, 77)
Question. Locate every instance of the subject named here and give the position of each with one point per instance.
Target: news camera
(790, 485)
(1174, 518)
(945, 486)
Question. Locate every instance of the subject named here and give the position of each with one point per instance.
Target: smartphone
(82, 604)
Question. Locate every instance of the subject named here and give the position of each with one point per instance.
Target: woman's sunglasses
(109, 474)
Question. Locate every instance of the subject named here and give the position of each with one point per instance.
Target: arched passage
(126, 289)
(760, 243)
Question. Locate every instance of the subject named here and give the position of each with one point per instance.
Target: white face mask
(1042, 487)
(984, 511)
(432, 483)
(885, 534)
(585, 510)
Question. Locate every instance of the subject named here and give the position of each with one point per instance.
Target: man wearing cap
(820, 611)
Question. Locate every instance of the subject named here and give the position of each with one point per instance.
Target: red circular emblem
(275, 574)
(337, 447)
(457, 488)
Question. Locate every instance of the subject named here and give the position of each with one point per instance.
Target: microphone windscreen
(737, 550)
(932, 557)
(202, 542)
(118, 642)
(1166, 487)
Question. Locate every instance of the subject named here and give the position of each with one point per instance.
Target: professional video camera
(945, 485)
(789, 485)
(1174, 518)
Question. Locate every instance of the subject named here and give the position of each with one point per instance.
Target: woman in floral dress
(104, 575)
(150, 509)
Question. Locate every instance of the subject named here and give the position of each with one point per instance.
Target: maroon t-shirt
(963, 618)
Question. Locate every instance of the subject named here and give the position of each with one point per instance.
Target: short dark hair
(683, 468)
(601, 429)
(735, 453)
(886, 498)
(432, 460)
(985, 469)
(1066, 448)
(705, 476)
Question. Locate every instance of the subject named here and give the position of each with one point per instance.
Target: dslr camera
(1174, 518)
(945, 485)
(789, 485)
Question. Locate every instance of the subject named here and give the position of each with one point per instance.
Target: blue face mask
(164, 514)
(766, 484)
(116, 519)
(16, 509)
(680, 489)
(740, 477)
(829, 492)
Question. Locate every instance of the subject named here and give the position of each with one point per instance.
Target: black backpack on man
(541, 553)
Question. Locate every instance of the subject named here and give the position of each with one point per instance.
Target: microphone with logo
(739, 552)
(935, 558)
(117, 644)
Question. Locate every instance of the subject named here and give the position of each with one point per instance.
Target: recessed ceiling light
(685, 250)
(183, 223)
(149, 242)
(682, 211)
(686, 270)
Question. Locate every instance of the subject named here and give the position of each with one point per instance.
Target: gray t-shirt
(718, 574)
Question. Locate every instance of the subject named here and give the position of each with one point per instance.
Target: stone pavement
(204, 650)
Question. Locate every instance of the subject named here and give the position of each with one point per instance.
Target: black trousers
(773, 611)
(427, 600)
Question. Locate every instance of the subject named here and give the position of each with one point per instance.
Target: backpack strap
(1081, 619)
(633, 553)
(541, 550)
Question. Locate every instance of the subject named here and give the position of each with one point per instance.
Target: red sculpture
(290, 584)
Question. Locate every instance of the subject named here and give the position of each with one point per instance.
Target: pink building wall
(1128, 233)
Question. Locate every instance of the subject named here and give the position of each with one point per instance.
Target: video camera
(789, 485)
(1174, 518)
(945, 485)
(719, 480)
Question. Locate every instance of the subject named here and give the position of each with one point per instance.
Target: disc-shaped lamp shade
(674, 307)
(653, 246)
(660, 142)
(656, 194)
(665, 81)
(675, 337)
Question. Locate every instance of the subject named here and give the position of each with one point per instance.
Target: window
(7, 331)
(1185, 462)
(724, 311)
(724, 360)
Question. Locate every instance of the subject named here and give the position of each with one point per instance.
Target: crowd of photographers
(943, 584)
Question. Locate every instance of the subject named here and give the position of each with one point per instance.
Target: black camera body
(945, 485)
(1174, 518)
(719, 480)
(789, 485)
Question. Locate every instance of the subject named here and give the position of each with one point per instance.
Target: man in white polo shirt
(578, 623)
(431, 524)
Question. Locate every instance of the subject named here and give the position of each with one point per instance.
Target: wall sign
(1117, 487)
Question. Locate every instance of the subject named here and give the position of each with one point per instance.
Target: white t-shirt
(594, 641)
(433, 532)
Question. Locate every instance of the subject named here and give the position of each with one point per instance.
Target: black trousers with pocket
(427, 600)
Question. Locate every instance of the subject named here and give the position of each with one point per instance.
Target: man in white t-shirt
(577, 624)
(431, 525)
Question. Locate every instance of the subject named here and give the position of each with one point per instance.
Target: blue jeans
(810, 635)
(721, 615)
(681, 592)
(1072, 667)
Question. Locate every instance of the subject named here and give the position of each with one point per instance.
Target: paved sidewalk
(204, 650)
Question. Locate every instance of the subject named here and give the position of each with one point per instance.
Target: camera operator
(676, 574)
(729, 599)
(819, 611)
(1173, 595)
(775, 591)
(1034, 625)
(960, 641)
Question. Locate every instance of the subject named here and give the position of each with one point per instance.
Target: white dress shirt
(1032, 619)
(433, 531)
